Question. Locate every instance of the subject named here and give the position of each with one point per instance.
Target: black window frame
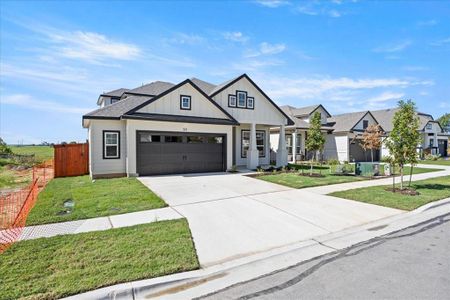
(253, 102)
(365, 124)
(181, 102)
(264, 144)
(229, 100)
(237, 99)
(104, 143)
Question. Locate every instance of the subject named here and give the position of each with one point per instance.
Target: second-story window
(241, 99)
(365, 124)
(185, 102)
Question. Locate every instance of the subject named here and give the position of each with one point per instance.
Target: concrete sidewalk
(101, 223)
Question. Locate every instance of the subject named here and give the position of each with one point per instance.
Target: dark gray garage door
(171, 153)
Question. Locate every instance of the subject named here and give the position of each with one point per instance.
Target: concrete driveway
(232, 215)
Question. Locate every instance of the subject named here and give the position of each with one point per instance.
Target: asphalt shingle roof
(205, 86)
(345, 122)
(116, 110)
(153, 88)
(116, 93)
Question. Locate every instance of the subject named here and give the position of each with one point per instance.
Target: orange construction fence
(15, 206)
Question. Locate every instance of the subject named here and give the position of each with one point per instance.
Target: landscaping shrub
(432, 157)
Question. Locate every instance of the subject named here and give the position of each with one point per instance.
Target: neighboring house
(192, 126)
(296, 133)
(343, 133)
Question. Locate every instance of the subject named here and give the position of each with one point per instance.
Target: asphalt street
(413, 263)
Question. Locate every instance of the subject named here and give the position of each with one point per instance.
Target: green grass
(429, 189)
(441, 162)
(41, 152)
(416, 170)
(50, 268)
(103, 197)
(12, 179)
(296, 181)
(293, 180)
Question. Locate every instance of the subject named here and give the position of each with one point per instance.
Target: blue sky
(57, 57)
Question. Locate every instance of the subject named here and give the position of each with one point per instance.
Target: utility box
(367, 169)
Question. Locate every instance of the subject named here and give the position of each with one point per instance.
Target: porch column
(281, 151)
(294, 145)
(252, 153)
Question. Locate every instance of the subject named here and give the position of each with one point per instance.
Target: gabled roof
(187, 81)
(205, 86)
(299, 123)
(307, 110)
(151, 89)
(113, 94)
(386, 116)
(346, 122)
(228, 83)
(116, 110)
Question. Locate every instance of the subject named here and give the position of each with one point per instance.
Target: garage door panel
(191, 153)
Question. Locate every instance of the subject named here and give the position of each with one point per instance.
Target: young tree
(4, 149)
(404, 137)
(315, 140)
(444, 120)
(371, 138)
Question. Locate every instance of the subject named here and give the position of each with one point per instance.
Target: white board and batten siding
(264, 112)
(97, 164)
(336, 147)
(323, 115)
(170, 104)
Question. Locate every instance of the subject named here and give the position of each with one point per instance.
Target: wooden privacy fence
(15, 206)
(71, 160)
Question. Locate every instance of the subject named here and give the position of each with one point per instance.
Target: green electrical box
(367, 169)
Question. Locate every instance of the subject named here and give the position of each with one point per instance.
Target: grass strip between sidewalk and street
(51, 268)
(439, 162)
(429, 190)
(102, 197)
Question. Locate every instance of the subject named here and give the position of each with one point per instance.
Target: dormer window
(114, 100)
(185, 102)
(429, 126)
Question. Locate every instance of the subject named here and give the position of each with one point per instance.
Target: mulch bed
(405, 191)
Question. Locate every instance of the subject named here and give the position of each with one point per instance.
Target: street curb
(203, 281)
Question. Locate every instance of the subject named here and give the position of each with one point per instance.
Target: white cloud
(427, 23)
(266, 49)
(307, 10)
(414, 68)
(334, 13)
(441, 42)
(92, 46)
(27, 101)
(236, 36)
(385, 96)
(444, 104)
(326, 87)
(186, 38)
(272, 3)
(400, 46)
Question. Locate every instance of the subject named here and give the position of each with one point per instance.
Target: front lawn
(103, 197)
(429, 189)
(416, 170)
(51, 268)
(294, 180)
(441, 161)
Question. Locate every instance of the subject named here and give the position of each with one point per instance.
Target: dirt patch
(405, 191)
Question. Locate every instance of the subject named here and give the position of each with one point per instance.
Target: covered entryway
(175, 152)
(442, 145)
(358, 154)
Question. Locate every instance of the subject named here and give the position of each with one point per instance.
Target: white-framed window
(114, 100)
(288, 138)
(260, 142)
(232, 100)
(429, 126)
(185, 102)
(431, 143)
(250, 102)
(298, 144)
(241, 99)
(111, 144)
